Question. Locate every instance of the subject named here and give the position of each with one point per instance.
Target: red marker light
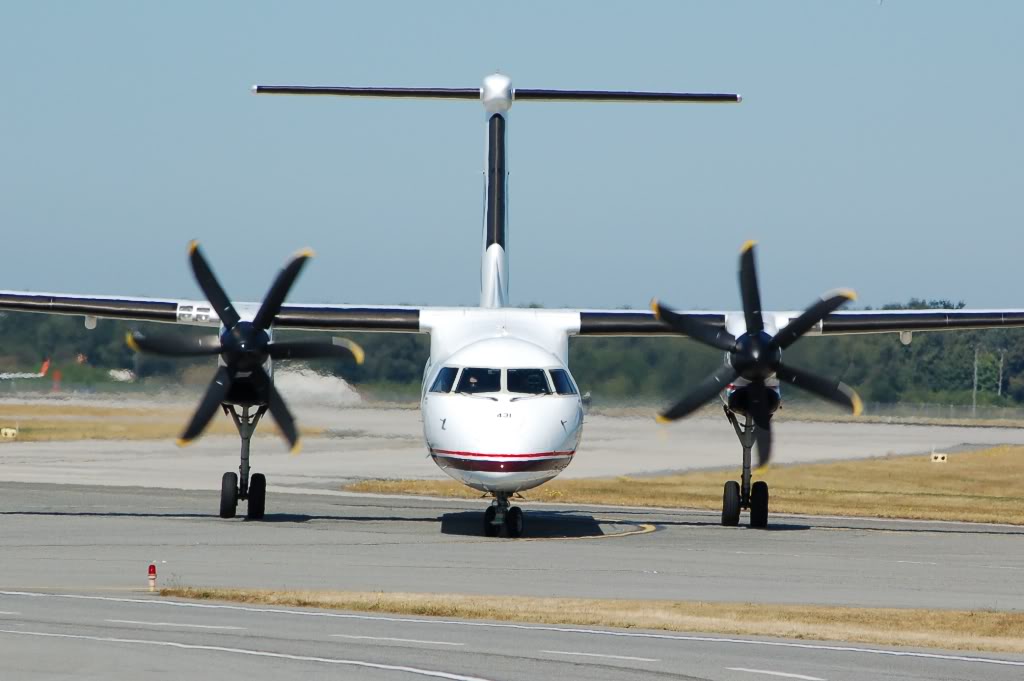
(152, 570)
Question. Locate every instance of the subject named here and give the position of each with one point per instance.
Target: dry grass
(65, 422)
(974, 487)
(946, 629)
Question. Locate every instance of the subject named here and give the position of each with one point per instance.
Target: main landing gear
(740, 495)
(501, 519)
(234, 487)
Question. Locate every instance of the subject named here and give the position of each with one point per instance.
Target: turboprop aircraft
(501, 410)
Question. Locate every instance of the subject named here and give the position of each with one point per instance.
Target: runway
(123, 505)
(123, 638)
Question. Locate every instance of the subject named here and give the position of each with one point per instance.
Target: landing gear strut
(235, 487)
(744, 495)
(501, 519)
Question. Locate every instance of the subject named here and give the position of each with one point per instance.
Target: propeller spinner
(244, 348)
(756, 356)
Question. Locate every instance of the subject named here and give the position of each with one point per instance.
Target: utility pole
(974, 393)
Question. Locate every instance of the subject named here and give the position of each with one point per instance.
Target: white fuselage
(516, 429)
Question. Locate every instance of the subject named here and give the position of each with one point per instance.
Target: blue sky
(878, 147)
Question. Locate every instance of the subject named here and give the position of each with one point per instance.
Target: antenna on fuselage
(497, 96)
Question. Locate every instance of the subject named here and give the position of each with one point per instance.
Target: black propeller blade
(756, 356)
(244, 348)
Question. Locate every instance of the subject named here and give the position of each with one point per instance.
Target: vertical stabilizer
(497, 99)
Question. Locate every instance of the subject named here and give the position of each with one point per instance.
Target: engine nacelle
(739, 398)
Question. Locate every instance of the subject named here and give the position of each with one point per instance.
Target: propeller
(756, 356)
(244, 347)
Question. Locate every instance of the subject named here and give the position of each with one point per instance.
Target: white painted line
(609, 657)
(254, 653)
(916, 562)
(399, 640)
(174, 624)
(771, 673)
(7, 612)
(534, 627)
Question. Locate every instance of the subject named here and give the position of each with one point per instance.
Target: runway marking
(400, 640)
(916, 562)
(254, 653)
(610, 657)
(7, 612)
(174, 624)
(536, 627)
(771, 673)
(641, 528)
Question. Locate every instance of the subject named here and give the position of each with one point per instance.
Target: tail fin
(45, 368)
(497, 95)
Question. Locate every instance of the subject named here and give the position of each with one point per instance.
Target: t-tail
(497, 96)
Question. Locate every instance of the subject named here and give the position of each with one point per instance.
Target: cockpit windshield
(528, 381)
(475, 380)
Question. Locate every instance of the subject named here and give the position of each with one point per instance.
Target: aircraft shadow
(536, 524)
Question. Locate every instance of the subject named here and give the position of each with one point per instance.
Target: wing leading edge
(643, 323)
(200, 313)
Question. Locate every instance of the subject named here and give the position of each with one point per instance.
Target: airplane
(501, 410)
(8, 375)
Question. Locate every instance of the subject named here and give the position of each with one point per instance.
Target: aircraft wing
(644, 323)
(200, 313)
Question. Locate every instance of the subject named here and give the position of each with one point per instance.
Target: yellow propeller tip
(129, 340)
(306, 253)
(858, 405)
(296, 448)
(357, 350)
(848, 293)
(655, 309)
(661, 419)
(192, 246)
(747, 245)
(182, 442)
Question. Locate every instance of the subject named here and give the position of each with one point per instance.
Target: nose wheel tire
(490, 528)
(759, 504)
(228, 495)
(731, 504)
(257, 497)
(514, 522)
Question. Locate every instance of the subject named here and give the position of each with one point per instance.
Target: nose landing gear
(743, 494)
(501, 519)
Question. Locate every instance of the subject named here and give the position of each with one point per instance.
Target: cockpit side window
(529, 381)
(563, 384)
(475, 380)
(445, 380)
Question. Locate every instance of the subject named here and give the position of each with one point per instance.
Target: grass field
(946, 629)
(64, 422)
(978, 486)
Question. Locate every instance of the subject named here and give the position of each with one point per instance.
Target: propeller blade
(340, 348)
(748, 289)
(211, 287)
(830, 389)
(215, 394)
(708, 388)
(825, 306)
(173, 346)
(279, 410)
(764, 445)
(279, 289)
(762, 416)
(694, 328)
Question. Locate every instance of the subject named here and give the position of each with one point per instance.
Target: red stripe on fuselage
(481, 455)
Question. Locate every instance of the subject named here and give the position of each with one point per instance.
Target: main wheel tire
(228, 495)
(731, 504)
(759, 504)
(514, 522)
(490, 529)
(257, 497)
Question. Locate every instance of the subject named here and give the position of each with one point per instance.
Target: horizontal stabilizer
(518, 94)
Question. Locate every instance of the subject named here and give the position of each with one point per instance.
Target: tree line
(937, 367)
